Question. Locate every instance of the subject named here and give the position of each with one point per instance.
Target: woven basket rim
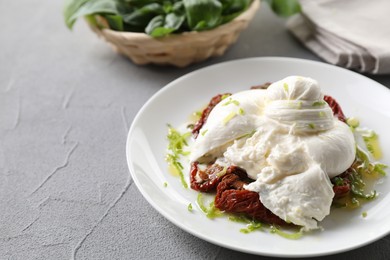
(244, 16)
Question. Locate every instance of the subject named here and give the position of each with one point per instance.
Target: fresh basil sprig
(162, 17)
(156, 18)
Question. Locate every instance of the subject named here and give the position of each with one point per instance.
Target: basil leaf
(115, 22)
(75, 10)
(161, 26)
(70, 8)
(142, 16)
(174, 20)
(285, 7)
(156, 22)
(235, 7)
(140, 3)
(203, 14)
(178, 7)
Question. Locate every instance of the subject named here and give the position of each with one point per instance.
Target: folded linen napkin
(351, 33)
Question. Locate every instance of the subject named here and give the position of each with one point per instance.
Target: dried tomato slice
(207, 180)
(262, 86)
(336, 108)
(232, 198)
(206, 112)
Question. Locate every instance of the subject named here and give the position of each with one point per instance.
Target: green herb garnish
(353, 122)
(229, 117)
(176, 144)
(248, 135)
(189, 207)
(285, 86)
(338, 181)
(371, 140)
(201, 205)
(293, 236)
(318, 103)
(165, 184)
(231, 101)
(211, 211)
(361, 169)
(225, 96)
(251, 225)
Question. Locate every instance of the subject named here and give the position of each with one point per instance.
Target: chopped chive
(189, 207)
(285, 86)
(353, 122)
(204, 132)
(318, 103)
(211, 211)
(225, 96)
(165, 184)
(176, 145)
(364, 214)
(379, 168)
(231, 101)
(293, 236)
(201, 205)
(229, 117)
(372, 144)
(312, 126)
(241, 111)
(338, 181)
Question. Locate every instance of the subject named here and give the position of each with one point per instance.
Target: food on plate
(281, 153)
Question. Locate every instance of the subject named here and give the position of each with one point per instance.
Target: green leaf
(174, 20)
(141, 17)
(203, 14)
(156, 22)
(285, 7)
(235, 7)
(161, 26)
(70, 8)
(140, 3)
(115, 22)
(74, 11)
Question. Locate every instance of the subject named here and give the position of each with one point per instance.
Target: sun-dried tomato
(262, 86)
(342, 184)
(336, 108)
(232, 198)
(206, 112)
(207, 180)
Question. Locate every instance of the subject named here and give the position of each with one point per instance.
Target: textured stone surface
(66, 104)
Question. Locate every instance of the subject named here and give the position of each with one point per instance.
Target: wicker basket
(181, 49)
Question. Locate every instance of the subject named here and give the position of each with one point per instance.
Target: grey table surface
(66, 104)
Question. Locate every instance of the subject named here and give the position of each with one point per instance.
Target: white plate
(146, 148)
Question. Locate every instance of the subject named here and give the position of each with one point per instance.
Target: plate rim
(177, 223)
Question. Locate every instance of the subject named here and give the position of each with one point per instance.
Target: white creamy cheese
(234, 117)
(296, 147)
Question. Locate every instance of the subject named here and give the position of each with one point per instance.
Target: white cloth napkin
(351, 33)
